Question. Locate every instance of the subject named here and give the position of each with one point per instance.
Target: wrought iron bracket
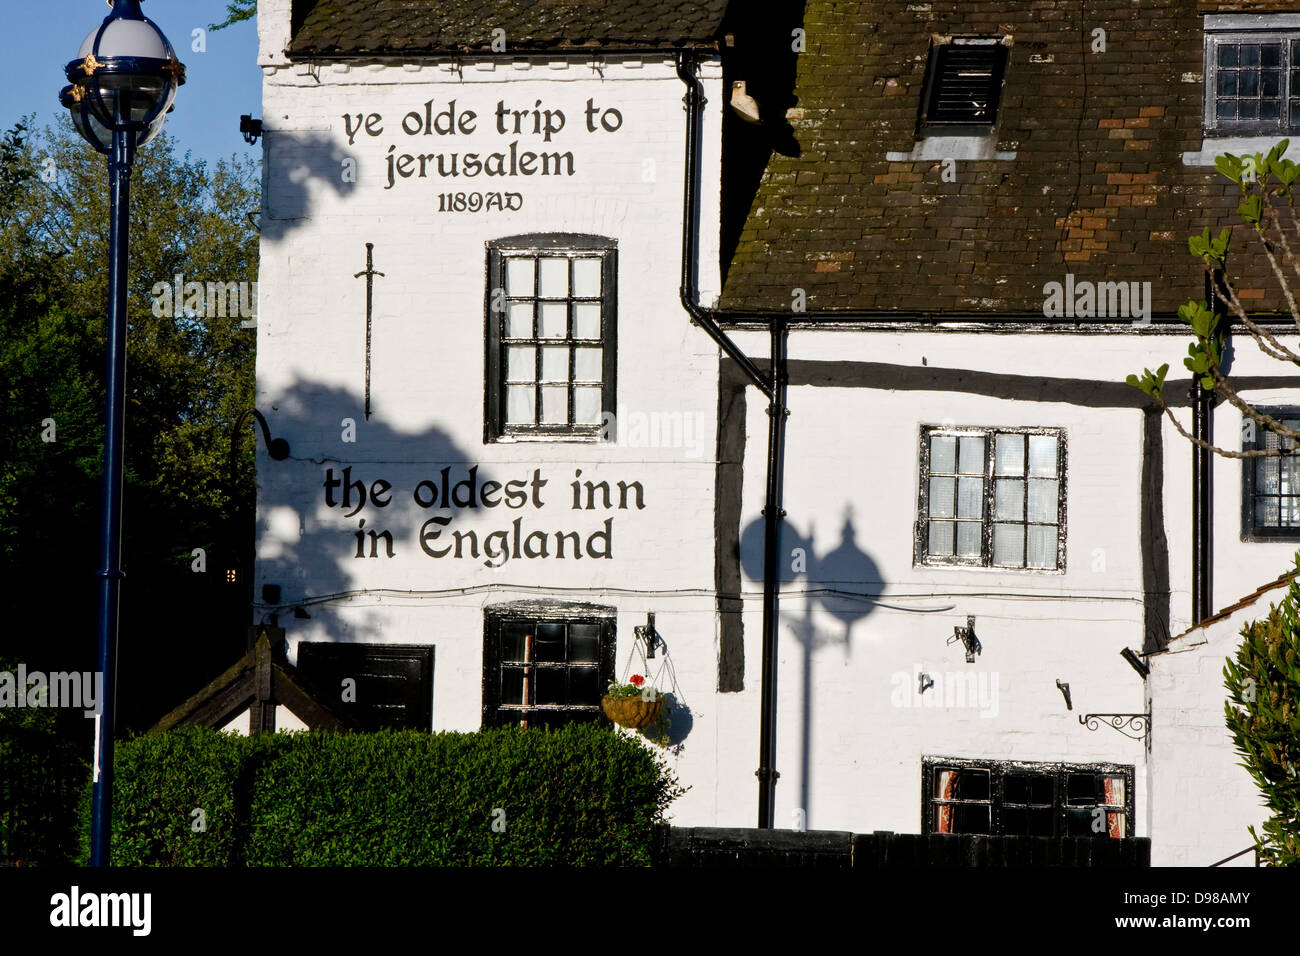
(648, 634)
(1132, 726)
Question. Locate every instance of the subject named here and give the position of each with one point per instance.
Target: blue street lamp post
(123, 83)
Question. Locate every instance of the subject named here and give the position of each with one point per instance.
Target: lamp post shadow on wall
(122, 85)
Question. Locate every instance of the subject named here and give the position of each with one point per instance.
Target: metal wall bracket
(646, 632)
(1132, 726)
(968, 639)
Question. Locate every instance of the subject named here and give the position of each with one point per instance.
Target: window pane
(1267, 513)
(941, 497)
(512, 685)
(519, 320)
(1247, 109)
(584, 642)
(1030, 821)
(521, 363)
(1288, 512)
(968, 539)
(970, 497)
(971, 785)
(1227, 83)
(586, 278)
(971, 456)
(1249, 53)
(1113, 790)
(1270, 54)
(587, 365)
(555, 405)
(1043, 498)
(1289, 474)
(1042, 456)
(941, 538)
(554, 316)
(1268, 475)
(555, 363)
(1009, 545)
(514, 640)
(1248, 83)
(552, 686)
(519, 276)
(587, 405)
(1009, 501)
(1227, 54)
(1270, 109)
(970, 818)
(548, 642)
(1226, 109)
(521, 401)
(584, 685)
(554, 278)
(1270, 83)
(586, 320)
(943, 454)
(1041, 546)
(1009, 455)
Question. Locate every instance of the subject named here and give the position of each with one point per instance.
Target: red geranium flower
(637, 680)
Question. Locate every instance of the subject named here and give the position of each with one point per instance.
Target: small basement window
(963, 87)
(1021, 798)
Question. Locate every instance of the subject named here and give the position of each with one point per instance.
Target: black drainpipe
(1202, 487)
(773, 385)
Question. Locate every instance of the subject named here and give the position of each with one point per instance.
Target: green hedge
(580, 795)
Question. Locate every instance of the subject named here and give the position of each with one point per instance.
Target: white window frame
(921, 538)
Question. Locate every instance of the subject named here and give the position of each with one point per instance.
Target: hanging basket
(631, 712)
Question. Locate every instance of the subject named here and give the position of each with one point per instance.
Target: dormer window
(1252, 81)
(963, 86)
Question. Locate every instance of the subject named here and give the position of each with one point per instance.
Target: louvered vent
(963, 86)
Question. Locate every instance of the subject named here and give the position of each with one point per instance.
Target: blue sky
(223, 82)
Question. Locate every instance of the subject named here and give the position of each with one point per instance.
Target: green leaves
(580, 795)
(1213, 251)
(1263, 716)
(1252, 210)
(1151, 383)
(1230, 166)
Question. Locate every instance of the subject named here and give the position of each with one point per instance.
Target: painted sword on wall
(370, 274)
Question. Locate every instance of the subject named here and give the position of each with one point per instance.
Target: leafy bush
(1264, 718)
(580, 795)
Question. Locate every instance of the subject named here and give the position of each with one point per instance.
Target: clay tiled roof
(1250, 599)
(1098, 186)
(358, 27)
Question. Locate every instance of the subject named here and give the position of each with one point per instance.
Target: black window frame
(999, 770)
(931, 118)
(921, 556)
(495, 619)
(1250, 529)
(540, 245)
(320, 662)
(1289, 39)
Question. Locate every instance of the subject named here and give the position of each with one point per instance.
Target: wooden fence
(831, 849)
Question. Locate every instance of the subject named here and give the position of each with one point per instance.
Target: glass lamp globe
(124, 78)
